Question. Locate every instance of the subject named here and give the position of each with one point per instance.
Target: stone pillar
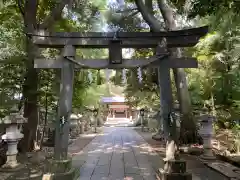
(87, 125)
(165, 87)
(148, 121)
(95, 116)
(82, 125)
(173, 168)
(141, 112)
(95, 124)
(130, 113)
(60, 167)
(12, 137)
(206, 131)
(176, 171)
(142, 126)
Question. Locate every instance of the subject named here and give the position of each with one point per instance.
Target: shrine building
(117, 107)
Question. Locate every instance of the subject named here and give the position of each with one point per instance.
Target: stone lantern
(12, 137)
(95, 114)
(82, 124)
(74, 121)
(142, 118)
(206, 131)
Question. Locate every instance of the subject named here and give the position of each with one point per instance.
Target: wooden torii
(67, 61)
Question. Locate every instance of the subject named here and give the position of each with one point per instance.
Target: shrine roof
(112, 99)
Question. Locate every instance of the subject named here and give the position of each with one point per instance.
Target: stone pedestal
(176, 170)
(206, 131)
(12, 137)
(87, 125)
(159, 136)
(82, 125)
(142, 125)
(95, 124)
(61, 170)
(95, 116)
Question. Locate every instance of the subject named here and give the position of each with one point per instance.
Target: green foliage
(206, 7)
(80, 16)
(215, 84)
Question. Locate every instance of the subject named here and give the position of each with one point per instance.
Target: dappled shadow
(120, 153)
(81, 142)
(196, 167)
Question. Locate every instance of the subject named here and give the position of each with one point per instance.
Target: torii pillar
(61, 166)
(174, 168)
(65, 104)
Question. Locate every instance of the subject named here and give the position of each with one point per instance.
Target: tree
(179, 74)
(29, 11)
(156, 23)
(12, 52)
(44, 15)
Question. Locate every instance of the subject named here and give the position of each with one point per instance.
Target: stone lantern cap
(74, 117)
(12, 135)
(15, 117)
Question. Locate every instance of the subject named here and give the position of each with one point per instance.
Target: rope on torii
(164, 53)
(90, 78)
(107, 74)
(124, 76)
(139, 73)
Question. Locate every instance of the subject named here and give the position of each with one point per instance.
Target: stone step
(226, 169)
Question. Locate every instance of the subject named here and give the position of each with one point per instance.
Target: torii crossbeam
(154, 61)
(179, 38)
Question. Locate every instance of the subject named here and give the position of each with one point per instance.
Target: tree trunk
(30, 93)
(31, 80)
(165, 90)
(187, 122)
(30, 105)
(45, 119)
(188, 127)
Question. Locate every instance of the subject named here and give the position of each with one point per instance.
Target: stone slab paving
(115, 154)
(121, 153)
(225, 168)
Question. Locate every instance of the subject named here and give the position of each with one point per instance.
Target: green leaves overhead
(206, 7)
(215, 83)
(81, 15)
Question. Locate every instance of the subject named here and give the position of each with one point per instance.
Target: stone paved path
(120, 122)
(116, 154)
(121, 153)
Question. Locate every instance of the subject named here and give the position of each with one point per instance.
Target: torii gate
(114, 42)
